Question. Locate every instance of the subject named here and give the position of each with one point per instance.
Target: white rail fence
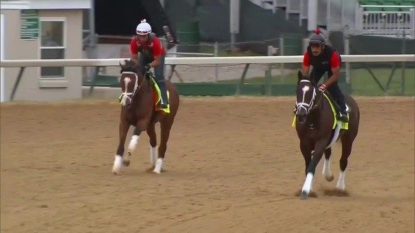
(202, 60)
(22, 64)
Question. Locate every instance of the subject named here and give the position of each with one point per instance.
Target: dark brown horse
(318, 129)
(138, 108)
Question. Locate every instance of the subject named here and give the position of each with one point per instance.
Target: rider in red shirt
(325, 58)
(152, 55)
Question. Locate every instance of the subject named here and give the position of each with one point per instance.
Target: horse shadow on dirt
(326, 191)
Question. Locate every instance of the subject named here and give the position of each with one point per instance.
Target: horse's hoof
(115, 172)
(126, 163)
(158, 167)
(303, 195)
(329, 178)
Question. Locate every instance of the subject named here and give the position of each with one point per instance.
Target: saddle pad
(157, 97)
(343, 125)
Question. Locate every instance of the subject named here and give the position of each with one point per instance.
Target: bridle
(129, 95)
(308, 107)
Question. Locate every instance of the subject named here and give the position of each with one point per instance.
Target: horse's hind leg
(326, 167)
(151, 132)
(347, 143)
(165, 127)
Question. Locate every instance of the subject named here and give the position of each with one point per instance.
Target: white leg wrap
(308, 183)
(158, 167)
(116, 168)
(341, 183)
(326, 169)
(133, 143)
(153, 155)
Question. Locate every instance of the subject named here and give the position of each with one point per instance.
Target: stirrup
(162, 105)
(342, 117)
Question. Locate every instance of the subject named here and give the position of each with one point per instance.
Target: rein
(309, 107)
(129, 95)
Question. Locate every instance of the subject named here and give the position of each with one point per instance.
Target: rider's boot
(342, 114)
(164, 102)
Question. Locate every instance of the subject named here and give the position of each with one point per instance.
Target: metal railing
(392, 22)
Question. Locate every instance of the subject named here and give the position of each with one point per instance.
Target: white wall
(2, 78)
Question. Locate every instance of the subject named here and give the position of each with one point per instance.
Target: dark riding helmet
(317, 38)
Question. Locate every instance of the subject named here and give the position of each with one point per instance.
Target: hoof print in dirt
(311, 194)
(336, 193)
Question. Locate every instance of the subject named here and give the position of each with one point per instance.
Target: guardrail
(202, 60)
(22, 64)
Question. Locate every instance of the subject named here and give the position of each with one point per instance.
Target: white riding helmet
(143, 28)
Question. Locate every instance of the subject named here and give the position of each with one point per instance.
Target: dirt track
(233, 165)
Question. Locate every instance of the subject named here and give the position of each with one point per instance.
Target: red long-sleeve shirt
(334, 60)
(155, 46)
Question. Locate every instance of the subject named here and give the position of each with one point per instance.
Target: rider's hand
(322, 88)
(147, 68)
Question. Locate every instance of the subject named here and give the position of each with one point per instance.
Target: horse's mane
(130, 66)
(302, 77)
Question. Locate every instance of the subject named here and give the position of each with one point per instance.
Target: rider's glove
(147, 68)
(322, 87)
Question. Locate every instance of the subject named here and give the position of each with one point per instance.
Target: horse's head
(131, 81)
(306, 94)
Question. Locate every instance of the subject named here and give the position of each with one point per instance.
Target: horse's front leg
(140, 126)
(306, 151)
(311, 169)
(118, 161)
(132, 145)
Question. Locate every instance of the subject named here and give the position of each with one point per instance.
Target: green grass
(362, 82)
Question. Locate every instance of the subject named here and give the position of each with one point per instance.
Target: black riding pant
(158, 73)
(334, 89)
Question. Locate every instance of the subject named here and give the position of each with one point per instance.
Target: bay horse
(318, 129)
(138, 108)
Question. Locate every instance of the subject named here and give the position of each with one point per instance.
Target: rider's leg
(337, 94)
(159, 75)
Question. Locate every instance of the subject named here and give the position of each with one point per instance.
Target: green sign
(29, 24)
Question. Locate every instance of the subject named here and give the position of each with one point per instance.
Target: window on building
(52, 45)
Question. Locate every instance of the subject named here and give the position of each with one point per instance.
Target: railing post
(281, 53)
(403, 63)
(328, 17)
(268, 76)
(242, 80)
(274, 6)
(216, 54)
(347, 52)
(387, 87)
(94, 78)
(17, 82)
(92, 43)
